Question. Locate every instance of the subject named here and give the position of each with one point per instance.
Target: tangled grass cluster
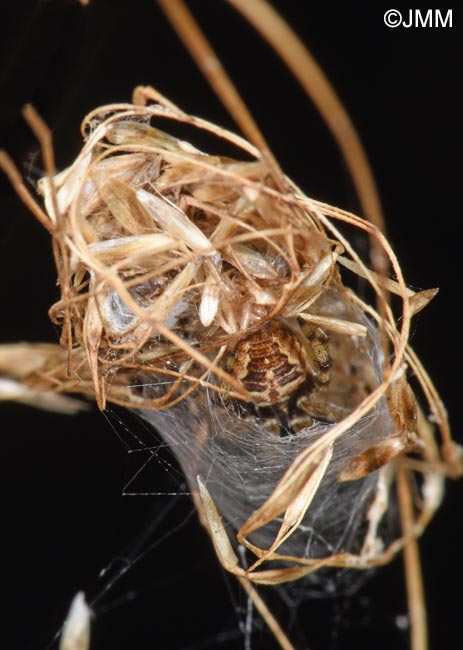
(215, 298)
(169, 259)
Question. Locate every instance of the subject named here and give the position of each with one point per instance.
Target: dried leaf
(253, 262)
(175, 222)
(76, 629)
(209, 304)
(335, 324)
(292, 496)
(92, 332)
(422, 299)
(219, 537)
(125, 207)
(140, 248)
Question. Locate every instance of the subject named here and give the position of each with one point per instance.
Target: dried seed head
(194, 288)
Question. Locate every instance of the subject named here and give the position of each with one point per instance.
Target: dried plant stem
(212, 521)
(17, 183)
(208, 62)
(413, 576)
(43, 134)
(306, 70)
(266, 614)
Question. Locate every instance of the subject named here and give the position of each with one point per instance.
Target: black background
(64, 517)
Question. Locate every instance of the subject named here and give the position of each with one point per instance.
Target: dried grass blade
(387, 283)
(92, 333)
(218, 534)
(335, 324)
(422, 299)
(132, 249)
(175, 222)
(290, 496)
(124, 204)
(297, 507)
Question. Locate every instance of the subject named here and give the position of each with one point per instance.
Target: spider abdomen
(269, 363)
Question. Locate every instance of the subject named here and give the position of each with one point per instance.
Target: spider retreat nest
(208, 293)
